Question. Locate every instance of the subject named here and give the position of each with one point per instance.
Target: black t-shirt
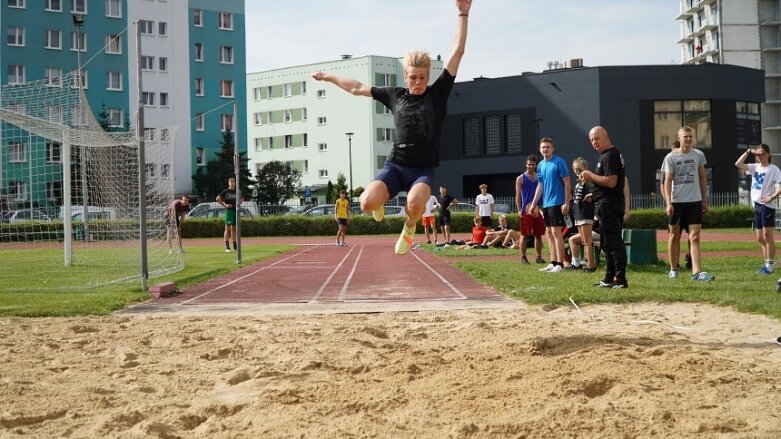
(418, 120)
(444, 203)
(229, 197)
(611, 162)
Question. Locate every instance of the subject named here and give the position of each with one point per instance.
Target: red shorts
(532, 225)
(428, 221)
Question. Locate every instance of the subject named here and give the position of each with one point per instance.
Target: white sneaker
(673, 274)
(379, 213)
(548, 267)
(227, 250)
(405, 240)
(556, 269)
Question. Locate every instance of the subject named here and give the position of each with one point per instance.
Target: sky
(506, 37)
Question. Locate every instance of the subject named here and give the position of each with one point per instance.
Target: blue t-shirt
(550, 172)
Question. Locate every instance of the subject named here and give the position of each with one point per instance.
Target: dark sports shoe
(526, 261)
(621, 284)
(539, 260)
(589, 270)
(778, 286)
(778, 340)
(688, 259)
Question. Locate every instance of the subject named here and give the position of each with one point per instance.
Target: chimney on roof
(346, 56)
(575, 63)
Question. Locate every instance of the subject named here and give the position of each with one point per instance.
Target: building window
(288, 116)
(385, 134)
(197, 17)
(258, 144)
(162, 28)
(16, 74)
(147, 27)
(75, 75)
(304, 114)
(493, 135)
(17, 153)
(320, 93)
(748, 126)
(113, 80)
(199, 123)
(257, 118)
(226, 55)
(198, 52)
(54, 5)
(53, 77)
(165, 171)
(163, 99)
(199, 86)
(226, 88)
(305, 140)
(512, 131)
(256, 95)
(322, 147)
(150, 170)
(15, 36)
(162, 64)
(322, 120)
(79, 6)
(53, 113)
(200, 157)
(114, 8)
(149, 134)
(270, 143)
(269, 92)
(78, 41)
(226, 21)
(53, 152)
(148, 98)
(17, 190)
(385, 80)
(53, 190)
(669, 116)
(303, 87)
(53, 39)
(147, 62)
(471, 136)
(306, 167)
(115, 116)
(287, 90)
(226, 122)
(16, 4)
(322, 173)
(288, 141)
(114, 44)
(381, 161)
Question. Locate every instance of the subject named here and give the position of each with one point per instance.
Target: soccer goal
(69, 192)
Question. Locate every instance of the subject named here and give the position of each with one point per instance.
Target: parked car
(327, 209)
(464, 207)
(395, 211)
(26, 215)
(206, 210)
(217, 212)
(500, 208)
(273, 209)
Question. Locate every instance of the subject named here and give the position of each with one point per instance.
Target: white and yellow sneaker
(405, 240)
(378, 213)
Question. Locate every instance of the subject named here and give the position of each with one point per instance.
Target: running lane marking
(325, 284)
(442, 278)
(245, 276)
(350, 276)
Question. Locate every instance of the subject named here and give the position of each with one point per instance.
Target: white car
(26, 215)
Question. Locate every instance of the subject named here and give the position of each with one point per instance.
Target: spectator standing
(531, 224)
(174, 217)
(484, 206)
(764, 177)
(342, 216)
(444, 203)
(554, 191)
(609, 179)
(686, 197)
(227, 199)
(429, 222)
(583, 212)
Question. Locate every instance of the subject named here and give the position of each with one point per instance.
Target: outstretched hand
(463, 6)
(319, 76)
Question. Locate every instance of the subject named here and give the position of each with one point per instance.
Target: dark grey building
(494, 124)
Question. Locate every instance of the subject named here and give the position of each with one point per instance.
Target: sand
(643, 370)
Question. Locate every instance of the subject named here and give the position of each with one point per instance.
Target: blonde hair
(417, 58)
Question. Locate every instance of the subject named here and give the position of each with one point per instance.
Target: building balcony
(683, 16)
(707, 2)
(695, 9)
(773, 102)
(706, 27)
(771, 50)
(686, 40)
(770, 23)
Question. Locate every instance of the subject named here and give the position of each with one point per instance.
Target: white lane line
(325, 284)
(350, 276)
(244, 277)
(442, 278)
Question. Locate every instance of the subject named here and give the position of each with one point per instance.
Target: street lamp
(350, 158)
(78, 22)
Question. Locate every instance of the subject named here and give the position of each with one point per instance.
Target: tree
(357, 191)
(341, 184)
(277, 182)
(213, 178)
(329, 193)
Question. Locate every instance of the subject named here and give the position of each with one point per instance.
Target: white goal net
(69, 192)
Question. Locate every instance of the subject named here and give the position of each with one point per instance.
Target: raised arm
(458, 50)
(740, 163)
(352, 86)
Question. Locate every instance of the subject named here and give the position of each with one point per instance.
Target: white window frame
(115, 117)
(269, 90)
(304, 115)
(162, 29)
(53, 153)
(17, 190)
(50, 36)
(303, 87)
(387, 134)
(322, 173)
(165, 171)
(49, 7)
(306, 141)
(258, 118)
(199, 122)
(225, 21)
(162, 64)
(114, 8)
(200, 156)
(198, 87)
(18, 36)
(17, 152)
(147, 62)
(198, 17)
(287, 90)
(288, 141)
(226, 122)
(53, 113)
(288, 116)
(79, 7)
(226, 85)
(75, 37)
(226, 55)
(322, 120)
(17, 4)
(322, 147)
(258, 143)
(320, 94)
(52, 189)
(111, 79)
(147, 27)
(198, 52)
(19, 74)
(75, 79)
(114, 44)
(164, 99)
(148, 98)
(256, 95)
(151, 170)
(53, 76)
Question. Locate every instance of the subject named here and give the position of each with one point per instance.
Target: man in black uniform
(608, 196)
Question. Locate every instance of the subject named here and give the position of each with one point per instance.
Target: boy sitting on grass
(478, 235)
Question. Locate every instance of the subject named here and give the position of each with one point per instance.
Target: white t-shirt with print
(484, 203)
(430, 204)
(763, 180)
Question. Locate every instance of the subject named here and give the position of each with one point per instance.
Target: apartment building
(193, 67)
(744, 33)
(294, 119)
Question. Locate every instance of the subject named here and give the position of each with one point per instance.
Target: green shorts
(230, 217)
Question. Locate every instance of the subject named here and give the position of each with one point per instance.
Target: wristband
(463, 15)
